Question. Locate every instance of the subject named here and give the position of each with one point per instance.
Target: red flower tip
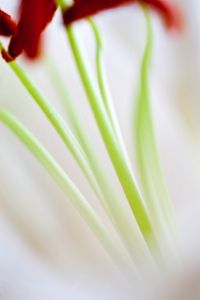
(35, 15)
(170, 12)
(85, 8)
(6, 56)
(7, 24)
(26, 35)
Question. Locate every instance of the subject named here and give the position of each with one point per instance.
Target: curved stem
(103, 86)
(65, 183)
(155, 192)
(60, 126)
(123, 224)
(120, 163)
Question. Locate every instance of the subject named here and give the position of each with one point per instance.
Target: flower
(34, 17)
(40, 235)
(84, 8)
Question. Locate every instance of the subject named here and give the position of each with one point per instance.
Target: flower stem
(103, 86)
(120, 163)
(152, 182)
(114, 207)
(101, 75)
(66, 184)
(60, 126)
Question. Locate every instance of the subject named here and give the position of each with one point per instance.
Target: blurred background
(47, 251)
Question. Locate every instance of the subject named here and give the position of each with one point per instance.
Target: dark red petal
(6, 56)
(85, 8)
(35, 15)
(170, 12)
(7, 24)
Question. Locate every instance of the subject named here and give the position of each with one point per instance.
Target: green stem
(104, 88)
(65, 183)
(111, 202)
(59, 124)
(101, 75)
(121, 165)
(151, 175)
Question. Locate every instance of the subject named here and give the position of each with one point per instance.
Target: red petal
(7, 25)
(6, 56)
(170, 13)
(35, 15)
(85, 8)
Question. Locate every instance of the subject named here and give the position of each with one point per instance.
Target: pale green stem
(104, 88)
(101, 75)
(77, 127)
(114, 207)
(122, 167)
(151, 175)
(60, 126)
(65, 183)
